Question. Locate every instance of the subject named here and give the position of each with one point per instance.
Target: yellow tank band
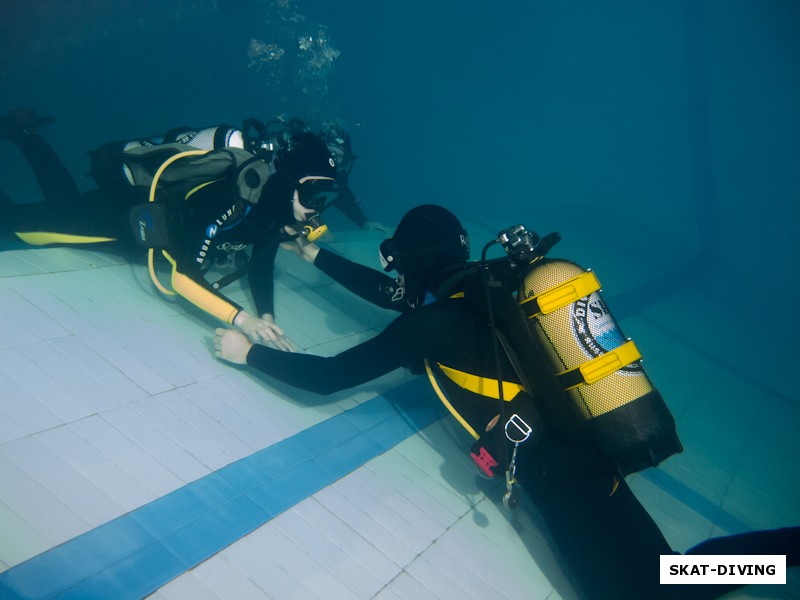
(446, 402)
(43, 238)
(483, 386)
(600, 366)
(560, 296)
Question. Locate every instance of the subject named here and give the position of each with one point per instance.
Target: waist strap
(483, 386)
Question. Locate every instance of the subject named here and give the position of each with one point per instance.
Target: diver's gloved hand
(379, 227)
(263, 330)
(547, 242)
(231, 345)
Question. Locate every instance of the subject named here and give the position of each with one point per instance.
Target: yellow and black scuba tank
(572, 355)
(597, 368)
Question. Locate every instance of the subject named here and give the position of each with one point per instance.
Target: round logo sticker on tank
(596, 329)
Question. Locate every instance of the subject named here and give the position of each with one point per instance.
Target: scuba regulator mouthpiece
(313, 228)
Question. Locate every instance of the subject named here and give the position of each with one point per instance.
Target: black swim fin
(21, 121)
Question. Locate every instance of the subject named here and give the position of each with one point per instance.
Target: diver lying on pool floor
(193, 207)
(608, 544)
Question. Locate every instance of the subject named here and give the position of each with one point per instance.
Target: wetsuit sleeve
(262, 276)
(408, 339)
(192, 285)
(371, 285)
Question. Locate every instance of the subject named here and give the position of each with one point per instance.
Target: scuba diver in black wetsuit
(608, 544)
(202, 206)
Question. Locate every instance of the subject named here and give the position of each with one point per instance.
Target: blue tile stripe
(137, 553)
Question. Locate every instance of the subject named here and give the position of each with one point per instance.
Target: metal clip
(519, 429)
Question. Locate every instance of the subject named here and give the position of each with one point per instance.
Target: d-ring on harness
(517, 431)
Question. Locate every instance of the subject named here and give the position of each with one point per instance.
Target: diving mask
(317, 192)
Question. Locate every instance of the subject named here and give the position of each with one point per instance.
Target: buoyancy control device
(248, 152)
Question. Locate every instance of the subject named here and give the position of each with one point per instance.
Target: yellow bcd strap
(152, 198)
(446, 402)
(483, 386)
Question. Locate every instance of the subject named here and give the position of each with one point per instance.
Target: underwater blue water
(666, 122)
